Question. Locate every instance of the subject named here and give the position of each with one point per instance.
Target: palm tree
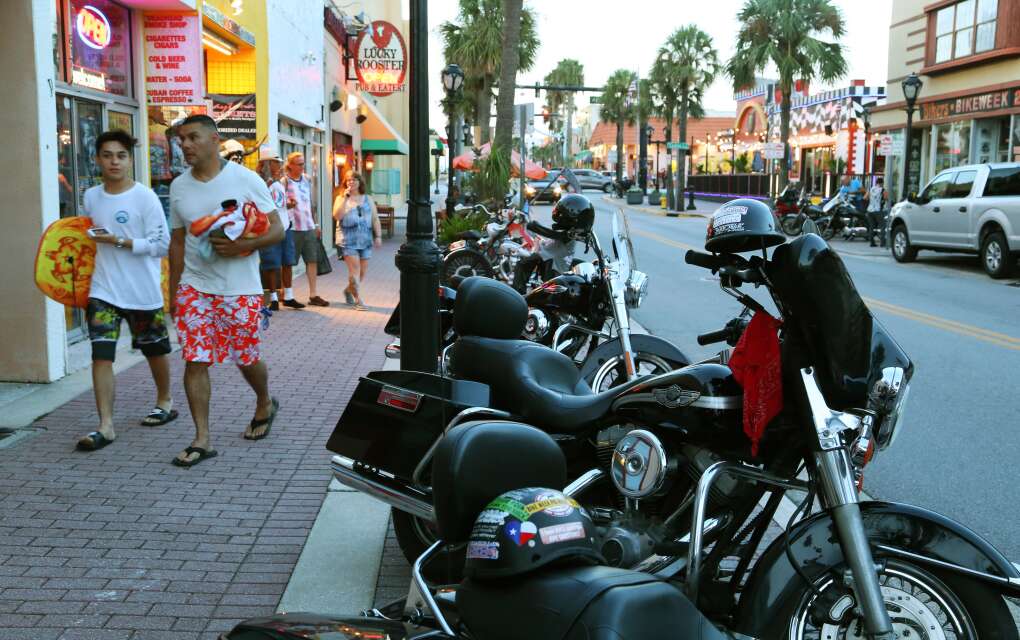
(567, 72)
(510, 59)
(688, 63)
(618, 106)
(475, 42)
(788, 34)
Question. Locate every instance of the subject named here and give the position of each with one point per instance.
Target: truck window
(962, 185)
(1003, 182)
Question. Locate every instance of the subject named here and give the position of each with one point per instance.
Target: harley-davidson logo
(674, 397)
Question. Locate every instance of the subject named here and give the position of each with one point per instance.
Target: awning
(378, 136)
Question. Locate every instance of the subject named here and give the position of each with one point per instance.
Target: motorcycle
(681, 492)
(621, 186)
(506, 241)
(839, 215)
(792, 223)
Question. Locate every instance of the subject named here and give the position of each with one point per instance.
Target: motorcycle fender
(302, 626)
(638, 342)
(895, 531)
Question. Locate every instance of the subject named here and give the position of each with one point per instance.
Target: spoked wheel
(825, 229)
(613, 372)
(921, 606)
(791, 225)
(464, 263)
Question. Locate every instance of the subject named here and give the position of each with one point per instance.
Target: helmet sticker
(553, 504)
(561, 532)
(728, 215)
(512, 507)
(483, 550)
(492, 516)
(521, 532)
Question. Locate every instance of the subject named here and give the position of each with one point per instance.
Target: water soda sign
(381, 62)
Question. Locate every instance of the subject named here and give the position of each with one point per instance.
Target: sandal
(98, 442)
(266, 422)
(203, 454)
(159, 416)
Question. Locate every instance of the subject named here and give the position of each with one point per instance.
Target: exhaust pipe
(385, 487)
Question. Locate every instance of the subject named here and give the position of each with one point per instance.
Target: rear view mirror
(809, 226)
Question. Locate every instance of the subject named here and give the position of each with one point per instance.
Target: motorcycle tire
(791, 226)
(964, 608)
(612, 372)
(414, 536)
(825, 229)
(464, 263)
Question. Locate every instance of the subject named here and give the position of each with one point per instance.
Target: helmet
(575, 213)
(742, 225)
(525, 529)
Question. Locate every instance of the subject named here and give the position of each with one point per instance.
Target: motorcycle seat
(581, 603)
(469, 234)
(813, 210)
(533, 382)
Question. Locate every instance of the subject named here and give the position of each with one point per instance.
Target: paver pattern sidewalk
(119, 544)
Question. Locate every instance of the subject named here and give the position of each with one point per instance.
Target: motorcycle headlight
(557, 190)
(637, 289)
(888, 398)
(529, 190)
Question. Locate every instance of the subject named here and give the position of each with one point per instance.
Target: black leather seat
(469, 234)
(529, 380)
(558, 602)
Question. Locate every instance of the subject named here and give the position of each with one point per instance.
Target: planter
(635, 197)
(653, 197)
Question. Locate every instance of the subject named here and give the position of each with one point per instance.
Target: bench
(387, 219)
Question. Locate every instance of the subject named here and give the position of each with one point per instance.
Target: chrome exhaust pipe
(385, 487)
(392, 350)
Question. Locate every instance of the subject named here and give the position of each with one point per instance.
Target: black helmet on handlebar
(573, 213)
(742, 225)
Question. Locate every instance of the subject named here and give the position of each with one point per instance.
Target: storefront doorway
(295, 137)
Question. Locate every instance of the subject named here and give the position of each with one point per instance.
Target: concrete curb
(656, 211)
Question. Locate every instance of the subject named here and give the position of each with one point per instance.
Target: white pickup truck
(969, 209)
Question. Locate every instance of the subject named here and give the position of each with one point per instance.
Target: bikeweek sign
(381, 59)
(971, 105)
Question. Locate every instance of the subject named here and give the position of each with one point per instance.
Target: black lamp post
(911, 89)
(732, 135)
(649, 133)
(453, 79)
(418, 257)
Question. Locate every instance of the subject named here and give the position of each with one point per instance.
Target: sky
(604, 39)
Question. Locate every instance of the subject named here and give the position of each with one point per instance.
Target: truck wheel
(995, 255)
(902, 251)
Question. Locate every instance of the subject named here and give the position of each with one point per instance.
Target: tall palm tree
(509, 61)
(689, 63)
(620, 107)
(475, 42)
(800, 38)
(567, 72)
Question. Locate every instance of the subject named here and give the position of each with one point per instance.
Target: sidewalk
(121, 545)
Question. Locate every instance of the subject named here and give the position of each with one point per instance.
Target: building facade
(968, 55)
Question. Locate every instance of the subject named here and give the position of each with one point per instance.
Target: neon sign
(93, 27)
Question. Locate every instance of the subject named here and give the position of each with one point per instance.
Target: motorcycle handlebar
(714, 336)
(704, 260)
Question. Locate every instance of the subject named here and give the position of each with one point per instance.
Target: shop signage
(678, 145)
(216, 17)
(381, 60)
(92, 27)
(173, 59)
(971, 105)
(86, 78)
(234, 115)
(890, 146)
(773, 151)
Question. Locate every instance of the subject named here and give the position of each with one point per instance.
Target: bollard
(690, 200)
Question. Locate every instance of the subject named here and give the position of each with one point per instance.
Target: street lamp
(468, 141)
(453, 79)
(911, 89)
(732, 135)
(649, 132)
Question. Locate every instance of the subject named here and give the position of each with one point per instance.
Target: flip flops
(159, 416)
(267, 422)
(203, 454)
(97, 439)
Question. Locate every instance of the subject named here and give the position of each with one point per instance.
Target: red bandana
(756, 366)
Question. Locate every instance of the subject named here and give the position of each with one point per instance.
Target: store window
(965, 28)
(1015, 144)
(952, 144)
(100, 46)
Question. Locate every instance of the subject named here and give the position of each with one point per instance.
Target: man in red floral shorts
(218, 293)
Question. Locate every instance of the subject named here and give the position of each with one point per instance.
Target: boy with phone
(131, 236)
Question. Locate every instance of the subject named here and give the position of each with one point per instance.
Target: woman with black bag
(359, 222)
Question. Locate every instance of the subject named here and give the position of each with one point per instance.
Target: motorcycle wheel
(612, 372)
(464, 263)
(790, 225)
(921, 605)
(414, 536)
(825, 229)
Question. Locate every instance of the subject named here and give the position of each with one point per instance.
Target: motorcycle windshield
(623, 248)
(844, 342)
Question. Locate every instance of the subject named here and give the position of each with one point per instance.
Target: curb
(656, 211)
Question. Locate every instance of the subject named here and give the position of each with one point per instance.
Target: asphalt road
(958, 450)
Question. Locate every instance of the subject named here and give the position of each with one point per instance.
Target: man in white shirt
(218, 299)
(131, 236)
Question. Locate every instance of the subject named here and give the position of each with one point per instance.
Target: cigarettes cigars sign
(381, 59)
(173, 59)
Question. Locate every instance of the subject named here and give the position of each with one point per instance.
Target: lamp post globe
(911, 86)
(453, 78)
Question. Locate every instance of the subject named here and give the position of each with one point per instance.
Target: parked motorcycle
(494, 255)
(793, 221)
(840, 216)
(621, 186)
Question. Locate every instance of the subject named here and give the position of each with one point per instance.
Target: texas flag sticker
(521, 532)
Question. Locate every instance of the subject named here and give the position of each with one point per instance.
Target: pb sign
(381, 63)
(93, 27)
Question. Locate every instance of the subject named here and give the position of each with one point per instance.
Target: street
(955, 453)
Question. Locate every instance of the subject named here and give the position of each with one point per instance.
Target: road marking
(991, 337)
(984, 335)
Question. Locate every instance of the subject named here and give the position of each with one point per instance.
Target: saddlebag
(394, 417)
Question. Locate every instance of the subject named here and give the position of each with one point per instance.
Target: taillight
(399, 399)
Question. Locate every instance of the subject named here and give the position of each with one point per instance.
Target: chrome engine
(536, 327)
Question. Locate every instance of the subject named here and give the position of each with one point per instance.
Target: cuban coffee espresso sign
(381, 60)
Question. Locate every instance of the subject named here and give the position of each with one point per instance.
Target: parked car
(969, 209)
(591, 179)
(545, 190)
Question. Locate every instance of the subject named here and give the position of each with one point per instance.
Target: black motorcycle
(793, 223)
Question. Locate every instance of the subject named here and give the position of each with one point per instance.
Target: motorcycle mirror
(810, 226)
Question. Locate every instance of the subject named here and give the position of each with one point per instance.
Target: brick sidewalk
(121, 545)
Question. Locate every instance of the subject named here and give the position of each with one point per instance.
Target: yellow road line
(984, 335)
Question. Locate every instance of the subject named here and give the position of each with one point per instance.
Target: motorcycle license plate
(460, 244)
